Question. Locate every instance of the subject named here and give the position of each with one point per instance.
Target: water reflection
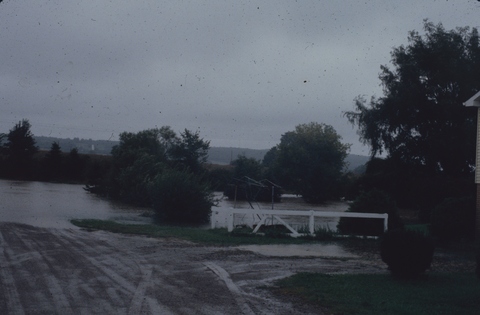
(53, 205)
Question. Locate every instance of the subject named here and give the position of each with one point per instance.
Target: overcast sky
(242, 73)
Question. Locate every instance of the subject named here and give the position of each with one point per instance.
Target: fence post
(385, 222)
(230, 221)
(311, 223)
(213, 219)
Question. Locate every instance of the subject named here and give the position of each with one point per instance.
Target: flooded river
(53, 205)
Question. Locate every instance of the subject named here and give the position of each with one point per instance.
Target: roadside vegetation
(379, 294)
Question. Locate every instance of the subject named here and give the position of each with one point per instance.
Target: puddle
(307, 250)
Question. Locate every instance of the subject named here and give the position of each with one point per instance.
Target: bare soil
(72, 271)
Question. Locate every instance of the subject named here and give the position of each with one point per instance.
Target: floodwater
(299, 250)
(52, 205)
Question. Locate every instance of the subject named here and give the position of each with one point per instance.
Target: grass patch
(420, 228)
(438, 293)
(198, 235)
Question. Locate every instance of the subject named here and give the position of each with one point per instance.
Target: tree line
(21, 159)
(158, 168)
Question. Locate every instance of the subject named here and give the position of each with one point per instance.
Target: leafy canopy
(190, 150)
(140, 158)
(310, 161)
(249, 167)
(420, 120)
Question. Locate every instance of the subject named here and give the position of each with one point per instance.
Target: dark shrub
(133, 182)
(181, 197)
(374, 201)
(454, 219)
(219, 178)
(408, 254)
(477, 270)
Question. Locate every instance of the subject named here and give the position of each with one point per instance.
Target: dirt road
(71, 271)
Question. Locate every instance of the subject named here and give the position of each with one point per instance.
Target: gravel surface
(72, 271)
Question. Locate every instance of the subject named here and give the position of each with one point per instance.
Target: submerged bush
(408, 254)
(374, 201)
(181, 197)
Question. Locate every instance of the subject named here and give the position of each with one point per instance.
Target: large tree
(420, 120)
(137, 159)
(310, 161)
(155, 142)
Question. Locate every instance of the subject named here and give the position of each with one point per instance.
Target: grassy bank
(197, 235)
(438, 293)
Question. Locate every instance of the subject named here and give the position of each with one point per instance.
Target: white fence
(222, 217)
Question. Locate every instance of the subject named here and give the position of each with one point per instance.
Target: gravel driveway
(72, 271)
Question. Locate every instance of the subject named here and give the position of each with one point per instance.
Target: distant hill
(216, 155)
(88, 146)
(84, 146)
(226, 155)
(356, 163)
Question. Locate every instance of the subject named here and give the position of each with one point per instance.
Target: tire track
(138, 292)
(52, 282)
(236, 292)
(10, 291)
(76, 272)
(105, 273)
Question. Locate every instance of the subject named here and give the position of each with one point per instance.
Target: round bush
(374, 201)
(181, 197)
(408, 254)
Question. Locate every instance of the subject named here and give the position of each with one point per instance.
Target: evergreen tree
(20, 148)
(53, 162)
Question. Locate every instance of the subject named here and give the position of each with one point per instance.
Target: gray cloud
(241, 72)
